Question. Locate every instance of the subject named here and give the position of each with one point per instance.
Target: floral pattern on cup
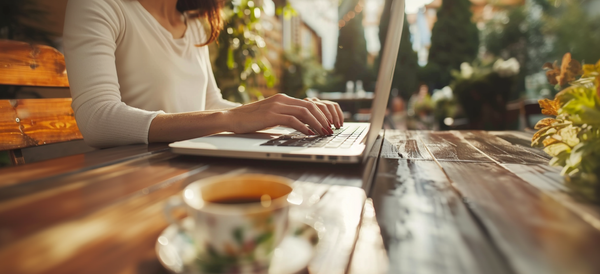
(242, 254)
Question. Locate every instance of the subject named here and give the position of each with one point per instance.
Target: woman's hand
(285, 111)
(332, 111)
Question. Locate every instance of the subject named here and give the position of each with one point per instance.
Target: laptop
(349, 144)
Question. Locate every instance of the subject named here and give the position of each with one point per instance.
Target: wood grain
(119, 238)
(85, 192)
(104, 215)
(33, 122)
(369, 254)
(535, 232)
(520, 139)
(500, 150)
(548, 180)
(25, 64)
(404, 145)
(425, 225)
(26, 179)
(446, 146)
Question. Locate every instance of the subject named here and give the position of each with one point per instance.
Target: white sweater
(125, 68)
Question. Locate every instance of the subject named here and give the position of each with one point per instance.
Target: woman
(139, 72)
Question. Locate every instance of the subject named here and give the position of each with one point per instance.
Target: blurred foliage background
(241, 59)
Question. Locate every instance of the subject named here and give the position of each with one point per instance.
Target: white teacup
(238, 220)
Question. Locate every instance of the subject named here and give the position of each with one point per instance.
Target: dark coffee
(236, 200)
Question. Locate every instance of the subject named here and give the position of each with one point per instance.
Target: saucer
(177, 253)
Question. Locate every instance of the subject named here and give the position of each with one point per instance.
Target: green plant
(483, 89)
(454, 39)
(572, 138)
(241, 58)
(518, 35)
(301, 73)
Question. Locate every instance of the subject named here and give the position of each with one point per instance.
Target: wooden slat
(24, 64)
(369, 254)
(535, 232)
(445, 146)
(336, 214)
(85, 192)
(500, 150)
(548, 180)
(425, 225)
(41, 175)
(522, 140)
(32, 122)
(405, 145)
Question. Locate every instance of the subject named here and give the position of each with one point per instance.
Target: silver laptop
(349, 144)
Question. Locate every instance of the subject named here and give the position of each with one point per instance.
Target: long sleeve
(214, 98)
(91, 33)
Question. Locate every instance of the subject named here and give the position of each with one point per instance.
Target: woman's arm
(276, 110)
(91, 33)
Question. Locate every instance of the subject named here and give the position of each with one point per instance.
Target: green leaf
(263, 238)
(556, 149)
(559, 160)
(230, 59)
(569, 135)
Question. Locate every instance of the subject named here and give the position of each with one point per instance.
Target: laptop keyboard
(343, 137)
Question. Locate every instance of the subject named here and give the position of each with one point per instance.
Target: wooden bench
(28, 123)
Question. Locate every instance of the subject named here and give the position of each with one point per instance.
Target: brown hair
(209, 9)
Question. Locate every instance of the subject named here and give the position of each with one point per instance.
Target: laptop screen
(359, 42)
(389, 54)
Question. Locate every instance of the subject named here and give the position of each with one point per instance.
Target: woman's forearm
(180, 126)
(279, 109)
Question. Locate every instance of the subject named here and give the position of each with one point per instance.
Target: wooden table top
(424, 202)
(479, 202)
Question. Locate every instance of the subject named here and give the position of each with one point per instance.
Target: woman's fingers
(286, 111)
(293, 122)
(303, 115)
(336, 119)
(333, 109)
(324, 108)
(310, 106)
(339, 112)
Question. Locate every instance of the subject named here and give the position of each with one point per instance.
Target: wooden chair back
(34, 122)
(24, 64)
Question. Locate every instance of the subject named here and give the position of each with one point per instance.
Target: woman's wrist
(222, 120)
(180, 126)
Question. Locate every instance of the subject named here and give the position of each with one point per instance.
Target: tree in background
(454, 40)
(405, 75)
(351, 59)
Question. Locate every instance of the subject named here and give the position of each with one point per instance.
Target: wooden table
(479, 202)
(101, 212)
(423, 202)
